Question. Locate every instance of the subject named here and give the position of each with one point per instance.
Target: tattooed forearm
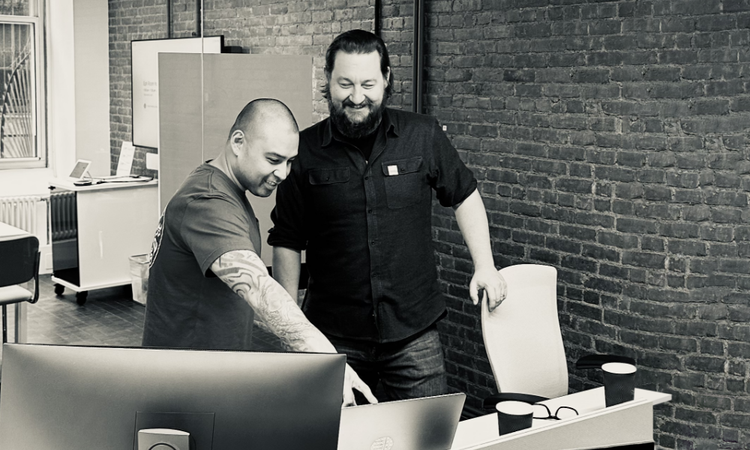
(245, 273)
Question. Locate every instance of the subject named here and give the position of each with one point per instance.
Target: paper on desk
(125, 163)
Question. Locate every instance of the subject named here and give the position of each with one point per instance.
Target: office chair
(522, 337)
(19, 263)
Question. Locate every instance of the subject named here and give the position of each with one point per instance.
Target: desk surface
(67, 183)
(8, 231)
(473, 432)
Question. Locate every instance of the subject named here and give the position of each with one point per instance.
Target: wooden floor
(109, 317)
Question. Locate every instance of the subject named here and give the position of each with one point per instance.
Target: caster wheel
(59, 289)
(81, 297)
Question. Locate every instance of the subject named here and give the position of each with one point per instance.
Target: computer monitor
(72, 397)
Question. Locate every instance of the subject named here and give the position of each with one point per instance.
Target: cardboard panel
(194, 130)
(180, 121)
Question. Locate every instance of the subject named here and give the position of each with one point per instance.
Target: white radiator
(28, 213)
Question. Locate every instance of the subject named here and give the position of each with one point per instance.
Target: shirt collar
(390, 127)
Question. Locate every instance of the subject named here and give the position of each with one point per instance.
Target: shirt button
(369, 211)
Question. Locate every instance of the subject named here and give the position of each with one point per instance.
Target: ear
(236, 140)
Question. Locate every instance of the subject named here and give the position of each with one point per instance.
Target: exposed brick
(637, 226)
(609, 140)
(706, 364)
(736, 420)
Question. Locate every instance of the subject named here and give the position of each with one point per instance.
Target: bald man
(206, 280)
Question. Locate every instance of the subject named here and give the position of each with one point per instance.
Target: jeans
(411, 368)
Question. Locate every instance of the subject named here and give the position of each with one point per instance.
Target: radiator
(28, 213)
(63, 215)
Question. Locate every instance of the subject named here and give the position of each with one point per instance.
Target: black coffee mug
(619, 383)
(513, 416)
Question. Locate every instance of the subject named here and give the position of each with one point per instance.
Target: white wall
(77, 74)
(61, 98)
(78, 81)
(91, 43)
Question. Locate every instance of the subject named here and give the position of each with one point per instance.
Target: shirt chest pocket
(404, 182)
(330, 190)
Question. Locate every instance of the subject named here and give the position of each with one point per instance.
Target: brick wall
(129, 20)
(610, 140)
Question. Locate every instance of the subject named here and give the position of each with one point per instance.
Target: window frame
(39, 94)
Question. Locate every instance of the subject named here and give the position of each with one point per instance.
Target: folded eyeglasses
(542, 412)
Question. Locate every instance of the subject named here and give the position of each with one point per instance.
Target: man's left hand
(353, 382)
(492, 284)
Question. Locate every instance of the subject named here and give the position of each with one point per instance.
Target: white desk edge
(11, 232)
(65, 183)
(479, 431)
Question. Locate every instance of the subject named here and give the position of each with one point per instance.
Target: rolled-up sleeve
(452, 180)
(288, 215)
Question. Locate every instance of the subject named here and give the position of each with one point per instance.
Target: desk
(96, 228)
(595, 426)
(11, 232)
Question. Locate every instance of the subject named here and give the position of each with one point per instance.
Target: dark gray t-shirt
(187, 305)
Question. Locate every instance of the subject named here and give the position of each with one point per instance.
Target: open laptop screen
(427, 423)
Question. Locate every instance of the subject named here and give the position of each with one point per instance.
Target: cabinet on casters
(95, 229)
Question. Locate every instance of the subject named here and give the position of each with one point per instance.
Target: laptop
(427, 423)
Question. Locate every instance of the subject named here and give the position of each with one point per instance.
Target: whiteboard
(145, 80)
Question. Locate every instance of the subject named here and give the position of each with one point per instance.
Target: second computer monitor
(67, 397)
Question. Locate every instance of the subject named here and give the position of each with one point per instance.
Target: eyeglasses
(542, 412)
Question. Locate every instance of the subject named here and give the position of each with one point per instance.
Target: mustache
(273, 179)
(348, 102)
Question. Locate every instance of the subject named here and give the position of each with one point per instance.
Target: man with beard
(206, 280)
(358, 200)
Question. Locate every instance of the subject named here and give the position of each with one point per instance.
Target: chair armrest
(490, 402)
(596, 361)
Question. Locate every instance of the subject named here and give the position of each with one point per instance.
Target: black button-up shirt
(366, 225)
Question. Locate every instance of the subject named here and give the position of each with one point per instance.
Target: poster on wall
(145, 80)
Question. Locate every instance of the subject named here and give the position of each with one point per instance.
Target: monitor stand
(199, 425)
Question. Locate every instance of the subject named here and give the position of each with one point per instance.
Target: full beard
(351, 129)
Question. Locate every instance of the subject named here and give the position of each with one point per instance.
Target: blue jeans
(411, 368)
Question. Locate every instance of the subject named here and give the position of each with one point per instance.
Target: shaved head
(262, 116)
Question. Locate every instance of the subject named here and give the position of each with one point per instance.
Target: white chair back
(522, 335)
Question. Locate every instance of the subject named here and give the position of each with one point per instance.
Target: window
(21, 93)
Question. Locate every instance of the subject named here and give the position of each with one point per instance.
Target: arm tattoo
(245, 273)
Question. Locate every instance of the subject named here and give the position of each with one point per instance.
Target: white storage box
(139, 277)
